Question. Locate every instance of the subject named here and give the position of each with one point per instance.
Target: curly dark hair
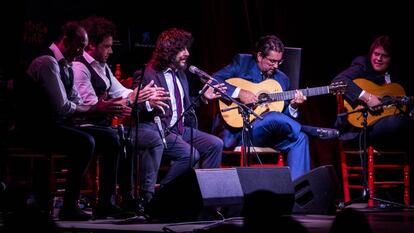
(169, 43)
(98, 28)
(383, 41)
(268, 43)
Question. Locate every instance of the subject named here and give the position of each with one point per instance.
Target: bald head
(72, 40)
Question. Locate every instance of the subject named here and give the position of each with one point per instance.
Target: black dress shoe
(326, 133)
(321, 133)
(73, 214)
(111, 211)
(133, 205)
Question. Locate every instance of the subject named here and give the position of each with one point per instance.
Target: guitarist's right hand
(372, 101)
(247, 97)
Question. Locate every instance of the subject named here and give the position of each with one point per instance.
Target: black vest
(100, 88)
(66, 80)
(98, 83)
(34, 107)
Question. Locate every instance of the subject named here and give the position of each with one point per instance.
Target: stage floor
(380, 220)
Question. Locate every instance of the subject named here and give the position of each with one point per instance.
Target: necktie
(177, 95)
(66, 75)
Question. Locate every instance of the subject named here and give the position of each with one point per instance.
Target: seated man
(166, 69)
(53, 104)
(277, 129)
(369, 81)
(94, 80)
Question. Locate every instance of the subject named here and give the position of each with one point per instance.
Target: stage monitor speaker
(274, 183)
(196, 195)
(316, 191)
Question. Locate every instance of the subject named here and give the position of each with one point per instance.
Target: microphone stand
(192, 105)
(366, 192)
(245, 110)
(135, 117)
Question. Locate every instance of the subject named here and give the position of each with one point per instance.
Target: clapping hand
(147, 92)
(153, 94)
(156, 100)
(113, 107)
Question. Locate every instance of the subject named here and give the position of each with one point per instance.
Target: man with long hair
(166, 69)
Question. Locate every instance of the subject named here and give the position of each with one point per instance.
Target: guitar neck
(286, 95)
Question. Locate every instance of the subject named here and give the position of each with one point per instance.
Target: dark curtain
(331, 35)
(231, 27)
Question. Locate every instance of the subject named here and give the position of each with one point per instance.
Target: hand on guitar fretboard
(388, 101)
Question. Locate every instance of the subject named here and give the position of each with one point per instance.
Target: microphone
(137, 74)
(200, 73)
(121, 134)
(160, 130)
(2, 187)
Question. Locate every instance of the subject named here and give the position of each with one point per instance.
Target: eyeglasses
(274, 62)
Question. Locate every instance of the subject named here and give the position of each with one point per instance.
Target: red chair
(259, 157)
(386, 170)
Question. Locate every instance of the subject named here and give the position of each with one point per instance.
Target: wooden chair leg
(242, 152)
(280, 160)
(406, 182)
(371, 176)
(345, 175)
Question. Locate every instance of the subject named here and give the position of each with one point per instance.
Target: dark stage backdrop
(330, 34)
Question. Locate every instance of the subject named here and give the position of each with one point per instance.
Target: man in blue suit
(277, 129)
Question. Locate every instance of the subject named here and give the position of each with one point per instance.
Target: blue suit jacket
(243, 66)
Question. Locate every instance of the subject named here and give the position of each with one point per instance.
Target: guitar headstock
(401, 100)
(337, 88)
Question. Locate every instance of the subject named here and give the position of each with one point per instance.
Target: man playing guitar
(369, 85)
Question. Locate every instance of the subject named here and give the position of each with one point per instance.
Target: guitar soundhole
(376, 112)
(263, 97)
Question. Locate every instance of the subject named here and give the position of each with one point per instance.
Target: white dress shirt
(170, 84)
(82, 79)
(45, 70)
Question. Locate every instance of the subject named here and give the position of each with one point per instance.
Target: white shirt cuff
(236, 92)
(148, 106)
(362, 93)
(293, 112)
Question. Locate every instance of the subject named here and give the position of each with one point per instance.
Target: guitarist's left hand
(299, 99)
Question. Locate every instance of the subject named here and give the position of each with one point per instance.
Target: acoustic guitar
(392, 93)
(271, 98)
